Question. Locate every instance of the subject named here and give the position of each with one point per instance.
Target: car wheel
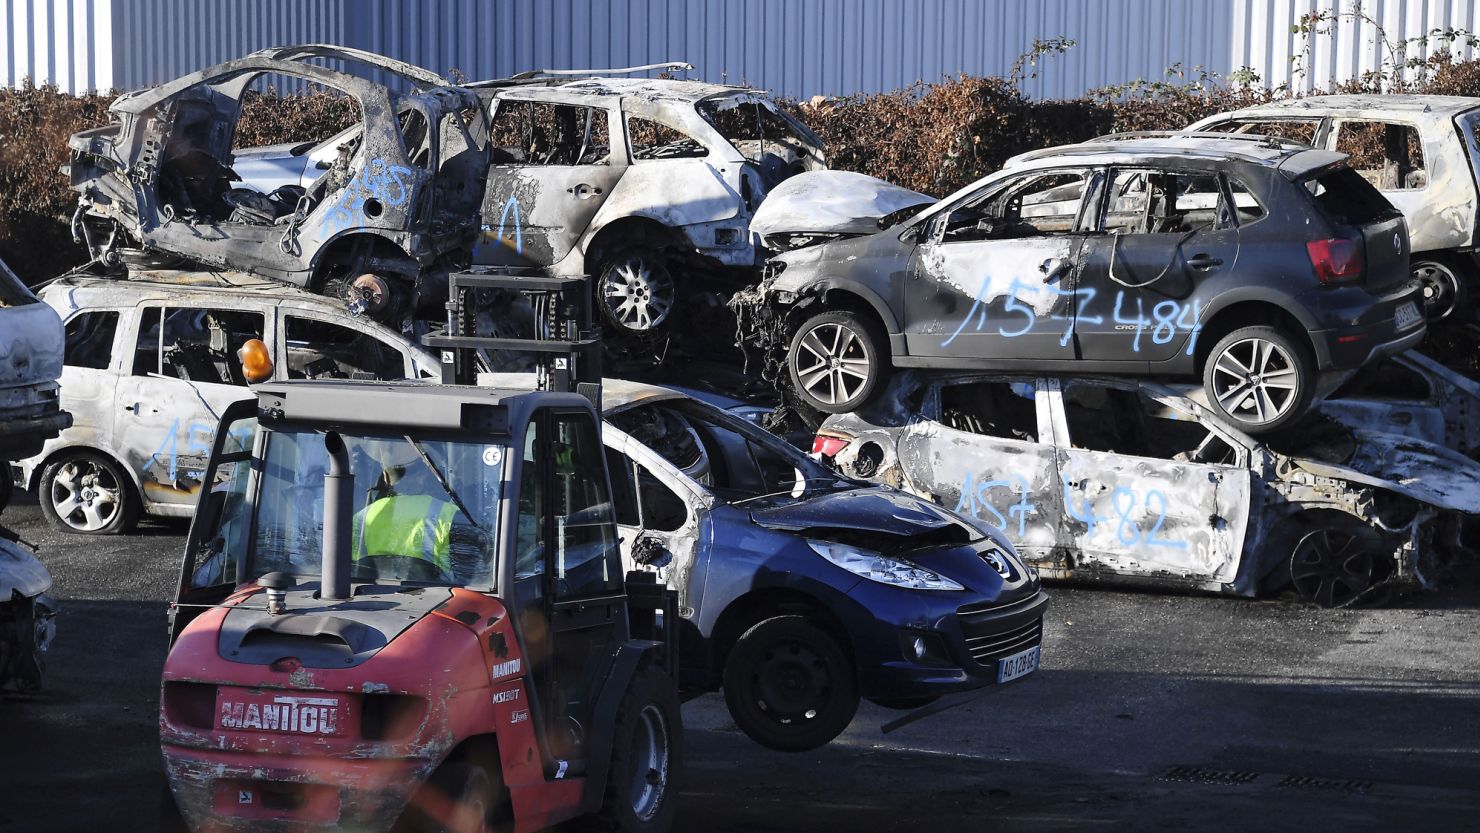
(1260, 378)
(1336, 565)
(837, 361)
(789, 686)
(85, 492)
(1443, 288)
(635, 291)
(903, 703)
(647, 755)
(458, 798)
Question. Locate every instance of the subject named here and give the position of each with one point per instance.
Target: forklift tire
(789, 686)
(647, 755)
(458, 798)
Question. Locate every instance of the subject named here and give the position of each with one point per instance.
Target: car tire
(1259, 378)
(647, 756)
(1338, 564)
(789, 686)
(87, 493)
(635, 291)
(1444, 290)
(837, 361)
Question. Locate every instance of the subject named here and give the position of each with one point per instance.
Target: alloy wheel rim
(638, 296)
(85, 496)
(1255, 380)
(1440, 288)
(835, 356)
(650, 773)
(1331, 568)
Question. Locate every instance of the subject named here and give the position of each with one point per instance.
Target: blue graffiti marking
(379, 181)
(1153, 537)
(976, 498)
(1167, 317)
(198, 438)
(1127, 529)
(512, 204)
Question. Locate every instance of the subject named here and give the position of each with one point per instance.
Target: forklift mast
(565, 340)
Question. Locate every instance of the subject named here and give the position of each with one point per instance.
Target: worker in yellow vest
(413, 521)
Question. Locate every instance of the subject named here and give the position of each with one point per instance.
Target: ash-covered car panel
(395, 199)
(1118, 481)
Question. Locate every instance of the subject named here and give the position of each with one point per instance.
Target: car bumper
(226, 791)
(964, 643)
(1374, 334)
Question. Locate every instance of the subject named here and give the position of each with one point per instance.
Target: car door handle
(584, 191)
(134, 407)
(1204, 261)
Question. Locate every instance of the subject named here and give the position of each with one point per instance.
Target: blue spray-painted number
(198, 438)
(976, 498)
(1127, 528)
(378, 180)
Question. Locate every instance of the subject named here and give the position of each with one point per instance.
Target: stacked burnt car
(1140, 357)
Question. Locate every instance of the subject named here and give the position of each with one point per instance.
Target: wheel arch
(1248, 313)
(380, 245)
(764, 603)
(841, 293)
(34, 482)
(631, 230)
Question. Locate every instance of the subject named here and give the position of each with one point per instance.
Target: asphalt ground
(1151, 712)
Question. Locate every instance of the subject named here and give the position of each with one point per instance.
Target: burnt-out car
(31, 345)
(1267, 270)
(639, 183)
(1118, 481)
(1411, 395)
(377, 225)
(1421, 151)
(800, 591)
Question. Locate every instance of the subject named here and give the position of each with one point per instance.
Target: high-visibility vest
(411, 526)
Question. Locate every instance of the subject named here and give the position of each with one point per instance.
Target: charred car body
(31, 347)
(150, 365)
(1411, 395)
(799, 591)
(1118, 481)
(1421, 151)
(631, 180)
(1265, 269)
(379, 226)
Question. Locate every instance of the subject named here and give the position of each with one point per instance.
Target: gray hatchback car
(1264, 267)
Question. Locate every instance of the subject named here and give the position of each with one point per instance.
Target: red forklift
(402, 605)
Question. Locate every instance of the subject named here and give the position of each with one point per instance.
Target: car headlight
(880, 568)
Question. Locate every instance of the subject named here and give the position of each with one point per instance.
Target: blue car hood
(874, 509)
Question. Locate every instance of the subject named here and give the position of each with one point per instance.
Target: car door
(1149, 489)
(657, 515)
(552, 166)
(986, 450)
(995, 278)
(184, 372)
(317, 346)
(1159, 234)
(98, 343)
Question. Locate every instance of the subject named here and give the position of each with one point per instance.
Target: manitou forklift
(402, 605)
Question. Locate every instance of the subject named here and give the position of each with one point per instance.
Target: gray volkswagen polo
(1264, 267)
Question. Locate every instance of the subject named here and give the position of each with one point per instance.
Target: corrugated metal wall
(798, 48)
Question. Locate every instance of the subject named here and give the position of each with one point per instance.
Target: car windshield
(424, 509)
(736, 462)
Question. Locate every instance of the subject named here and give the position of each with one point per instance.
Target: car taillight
(1336, 260)
(828, 446)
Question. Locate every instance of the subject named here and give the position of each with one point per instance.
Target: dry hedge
(933, 138)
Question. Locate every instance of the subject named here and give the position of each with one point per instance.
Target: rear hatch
(1356, 209)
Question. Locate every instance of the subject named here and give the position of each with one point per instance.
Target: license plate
(1406, 315)
(1020, 664)
(314, 714)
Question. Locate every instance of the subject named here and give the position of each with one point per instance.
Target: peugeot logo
(998, 563)
(1397, 243)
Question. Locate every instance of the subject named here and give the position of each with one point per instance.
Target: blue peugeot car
(800, 591)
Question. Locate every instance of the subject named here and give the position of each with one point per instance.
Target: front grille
(987, 648)
(998, 608)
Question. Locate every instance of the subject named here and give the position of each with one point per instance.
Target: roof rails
(536, 75)
(1273, 142)
(568, 345)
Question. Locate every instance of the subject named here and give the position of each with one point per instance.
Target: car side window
(652, 140)
(1035, 205)
(1298, 130)
(539, 133)
(624, 495)
(663, 509)
(318, 349)
(1245, 206)
(992, 409)
(1388, 155)
(90, 339)
(1165, 202)
(194, 344)
(1130, 422)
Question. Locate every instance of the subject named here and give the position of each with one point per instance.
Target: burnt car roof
(656, 89)
(1112, 149)
(1374, 105)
